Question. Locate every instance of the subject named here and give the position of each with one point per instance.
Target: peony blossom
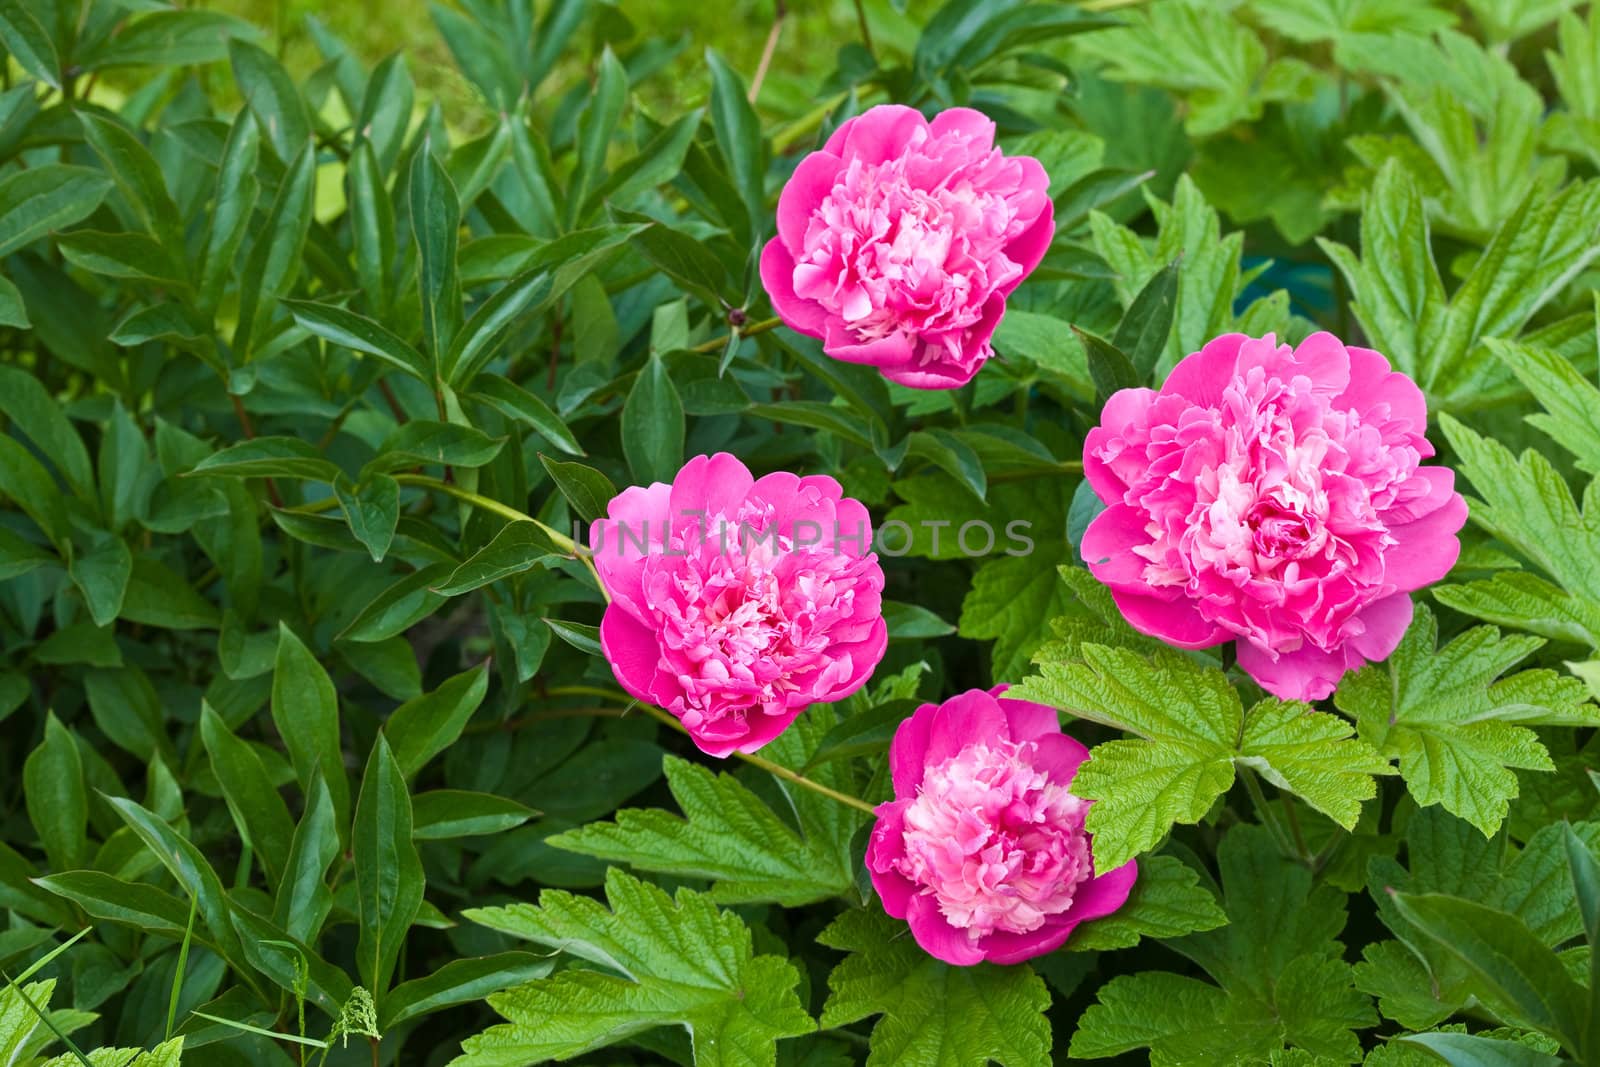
(736, 601)
(1277, 496)
(900, 240)
(983, 850)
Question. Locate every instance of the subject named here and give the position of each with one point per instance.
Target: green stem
(866, 31)
(767, 765)
(561, 540)
(1268, 818)
(716, 344)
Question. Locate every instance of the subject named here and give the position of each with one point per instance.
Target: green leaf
(739, 139)
(597, 122)
(389, 877)
(683, 962)
(42, 199)
(276, 257)
(1512, 972)
(303, 899)
(1110, 368)
(1466, 1050)
(1568, 397)
(1585, 870)
(581, 636)
(188, 865)
(518, 547)
(422, 728)
(1167, 901)
(435, 222)
(359, 333)
(272, 97)
(482, 334)
(1011, 601)
(171, 38)
(1280, 979)
(726, 834)
(679, 256)
(372, 508)
(1195, 731)
(13, 311)
(234, 201)
(269, 457)
(440, 443)
(653, 425)
(372, 225)
(1528, 505)
(460, 981)
(31, 409)
(258, 811)
(305, 708)
(138, 177)
(586, 489)
(933, 1014)
(122, 255)
(28, 43)
(136, 904)
(102, 576)
(1456, 731)
(56, 798)
(1143, 332)
(518, 403)
(445, 814)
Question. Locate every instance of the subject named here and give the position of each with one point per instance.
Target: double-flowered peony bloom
(900, 240)
(983, 850)
(736, 601)
(1276, 496)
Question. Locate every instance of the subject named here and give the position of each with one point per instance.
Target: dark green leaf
(653, 425)
(586, 489)
(38, 200)
(389, 878)
(422, 728)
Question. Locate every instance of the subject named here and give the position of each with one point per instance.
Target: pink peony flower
(983, 850)
(1277, 496)
(736, 602)
(900, 240)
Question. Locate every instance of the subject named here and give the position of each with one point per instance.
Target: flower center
(996, 842)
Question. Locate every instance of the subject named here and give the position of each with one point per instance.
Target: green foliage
(682, 961)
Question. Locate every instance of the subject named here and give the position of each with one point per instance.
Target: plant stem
(779, 12)
(562, 541)
(1268, 817)
(866, 31)
(716, 343)
(772, 768)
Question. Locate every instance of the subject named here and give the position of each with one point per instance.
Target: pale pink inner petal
(994, 840)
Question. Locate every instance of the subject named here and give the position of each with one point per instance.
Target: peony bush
(1038, 532)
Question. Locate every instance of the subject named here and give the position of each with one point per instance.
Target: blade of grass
(183, 964)
(259, 1032)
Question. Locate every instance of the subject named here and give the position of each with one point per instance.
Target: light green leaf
(679, 961)
(1167, 901)
(1455, 730)
(1195, 730)
(933, 1014)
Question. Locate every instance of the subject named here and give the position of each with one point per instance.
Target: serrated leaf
(1195, 731)
(680, 962)
(1281, 981)
(1167, 901)
(726, 834)
(1456, 731)
(933, 1014)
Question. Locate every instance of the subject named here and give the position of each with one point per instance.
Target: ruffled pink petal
(1373, 385)
(1027, 719)
(1426, 548)
(937, 937)
(1177, 622)
(803, 194)
(1127, 408)
(630, 647)
(878, 134)
(883, 848)
(1386, 622)
(1058, 755)
(965, 122)
(777, 278)
(1005, 948)
(1109, 543)
(709, 485)
(908, 751)
(636, 516)
(1201, 376)
(962, 720)
(1307, 673)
